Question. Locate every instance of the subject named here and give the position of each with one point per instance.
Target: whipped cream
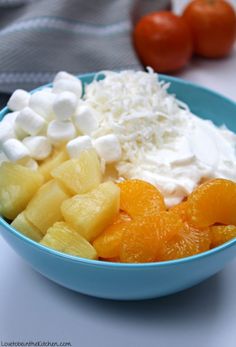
(162, 142)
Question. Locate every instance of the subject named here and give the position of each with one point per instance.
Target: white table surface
(32, 308)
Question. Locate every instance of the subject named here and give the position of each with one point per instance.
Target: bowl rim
(107, 264)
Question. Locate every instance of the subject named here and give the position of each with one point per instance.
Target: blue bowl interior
(204, 103)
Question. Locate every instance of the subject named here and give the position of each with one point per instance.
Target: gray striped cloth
(40, 37)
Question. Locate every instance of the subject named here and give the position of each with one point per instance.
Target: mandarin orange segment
(187, 242)
(180, 210)
(140, 242)
(108, 243)
(168, 226)
(221, 234)
(140, 198)
(144, 237)
(212, 202)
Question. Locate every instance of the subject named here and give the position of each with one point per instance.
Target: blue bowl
(134, 281)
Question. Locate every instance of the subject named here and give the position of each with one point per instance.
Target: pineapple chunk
(17, 186)
(80, 175)
(22, 224)
(44, 209)
(91, 213)
(52, 162)
(63, 238)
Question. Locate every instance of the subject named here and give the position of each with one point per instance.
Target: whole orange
(163, 41)
(213, 25)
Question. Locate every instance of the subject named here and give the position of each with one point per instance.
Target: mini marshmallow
(41, 102)
(3, 158)
(64, 105)
(18, 100)
(20, 133)
(62, 75)
(76, 146)
(108, 148)
(30, 121)
(31, 164)
(10, 118)
(86, 120)
(15, 150)
(39, 146)
(67, 85)
(6, 132)
(60, 132)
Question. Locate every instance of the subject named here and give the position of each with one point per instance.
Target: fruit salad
(116, 172)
